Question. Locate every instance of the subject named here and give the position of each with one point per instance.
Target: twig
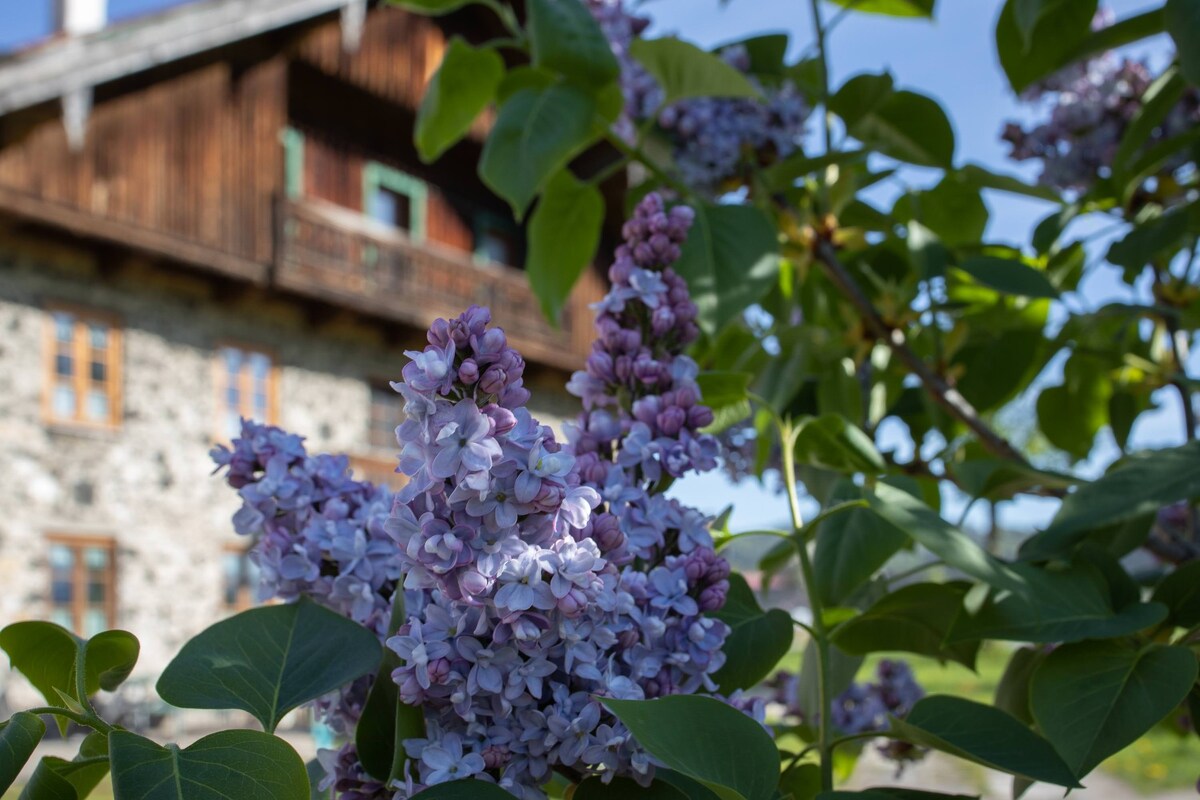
(1179, 354)
(946, 395)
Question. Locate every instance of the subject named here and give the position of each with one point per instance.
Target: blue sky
(952, 58)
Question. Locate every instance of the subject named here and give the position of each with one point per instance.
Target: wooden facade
(255, 161)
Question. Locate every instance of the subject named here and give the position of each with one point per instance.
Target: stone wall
(148, 484)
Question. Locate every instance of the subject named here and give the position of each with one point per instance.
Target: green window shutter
(379, 176)
(293, 162)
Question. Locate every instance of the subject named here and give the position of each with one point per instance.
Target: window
(293, 162)
(246, 379)
(498, 240)
(83, 584)
(395, 198)
(239, 577)
(83, 373)
(386, 412)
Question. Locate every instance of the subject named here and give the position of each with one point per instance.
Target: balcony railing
(338, 255)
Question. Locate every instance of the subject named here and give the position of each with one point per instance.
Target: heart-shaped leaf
(565, 38)
(692, 735)
(564, 233)
(269, 660)
(18, 739)
(1092, 699)
(229, 764)
(684, 70)
(461, 88)
(757, 639)
(913, 619)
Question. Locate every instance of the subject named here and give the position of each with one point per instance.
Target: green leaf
(1182, 19)
(1062, 606)
(1135, 487)
(953, 210)
(466, 789)
(984, 735)
(684, 70)
(861, 95)
(833, 442)
(56, 778)
(269, 660)
(1009, 276)
(1012, 693)
(757, 639)
(766, 53)
(1156, 240)
(45, 653)
(692, 734)
(19, 737)
(623, 788)
(536, 132)
(1000, 479)
(1180, 592)
(852, 546)
(983, 178)
(888, 793)
(219, 766)
(1028, 13)
(892, 8)
(564, 233)
(385, 723)
(1159, 100)
(730, 260)
(929, 255)
(1073, 412)
(565, 37)
(908, 127)
(433, 8)
(801, 782)
(462, 87)
(1058, 34)
(1092, 699)
(316, 774)
(912, 619)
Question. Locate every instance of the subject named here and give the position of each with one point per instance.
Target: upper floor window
(498, 239)
(239, 579)
(385, 413)
(395, 198)
(83, 379)
(83, 580)
(246, 387)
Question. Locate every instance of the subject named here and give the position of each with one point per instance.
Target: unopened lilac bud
(439, 333)
(623, 368)
(671, 420)
(699, 417)
(627, 639)
(646, 370)
(712, 598)
(493, 380)
(662, 320)
(600, 365)
(468, 372)
(495, 756)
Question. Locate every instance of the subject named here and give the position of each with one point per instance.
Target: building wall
(147, 484)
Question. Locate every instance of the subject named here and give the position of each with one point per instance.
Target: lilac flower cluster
(534, 600)
(863, 707)
(318, 532)
(1091, 105)
(715, 141)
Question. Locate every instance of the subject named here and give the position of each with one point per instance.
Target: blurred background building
(212, 212)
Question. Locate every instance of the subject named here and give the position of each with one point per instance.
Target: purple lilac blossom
(715, 141)
(1090, 106)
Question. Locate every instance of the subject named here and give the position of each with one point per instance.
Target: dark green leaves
(1180, 593)
(18, 739)
(684, 70)
(1056, 35)
(1092, 699)
(1071, 414)
(1136, 487)
(912, 619)
(1182, 18)
(984, 735)
(757, 640)
(461, 88)
(1009, 276)
(563, 236)
(624, 788)
(904, 125)
(58, 779)
(217, 767)
(45, 653)
(468, 789)
(433, 8)
(729, 260)
(692, 735)
(536, 132)
(833, 442)
(852, 546)
(726, 394)
(268, 661)
(565, 38)
(892, 8)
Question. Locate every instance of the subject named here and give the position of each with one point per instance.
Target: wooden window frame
(79, 582)
(380, 176)
(81, 357)
(482, 220)
(219, 373)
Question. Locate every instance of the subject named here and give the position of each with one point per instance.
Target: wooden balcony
(334, 254)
